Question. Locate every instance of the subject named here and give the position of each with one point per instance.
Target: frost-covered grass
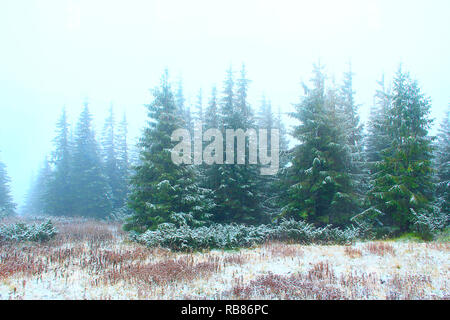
(93, 260)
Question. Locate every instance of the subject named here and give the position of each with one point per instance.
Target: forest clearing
(226, 151)
(91, 259)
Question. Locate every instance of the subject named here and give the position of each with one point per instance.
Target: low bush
(231, 236)
(429, 224)
(23, 232)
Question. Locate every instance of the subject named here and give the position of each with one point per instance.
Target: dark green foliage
(211, 174)
(331, 175)
(236, 195)
(353, 132)
(284, 144)
(402, 180)
(270, 188)
(320, 189)
(162, 191)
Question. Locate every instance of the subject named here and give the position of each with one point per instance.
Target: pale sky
(57, 53)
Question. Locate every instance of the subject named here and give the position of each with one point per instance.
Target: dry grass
(278, 249)
(92, 260)
(353, 252)
(380, 248)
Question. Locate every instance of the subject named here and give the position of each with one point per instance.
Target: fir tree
(353, 131)
(122, 162)
(183, 109)
(443, 165)
(7, 206)
(199, 107)
(237, 196)
(113, 172)
(320, 188)
(59, 195)
(210, 173)
(402, 181)
(91, 193)
(269, 188)
(284, 144)
(162, 191)
(38, 200)
(377, 139)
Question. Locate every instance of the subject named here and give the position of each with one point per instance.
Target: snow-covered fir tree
(320, 188)
(443, 165)
(162, 191)
(353, 131)
(377, 139)
(210, 173)
(269, 187)
(237, 197)
(402, 179)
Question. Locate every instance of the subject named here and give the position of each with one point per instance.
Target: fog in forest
(63, 53)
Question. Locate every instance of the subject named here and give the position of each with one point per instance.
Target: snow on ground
(107, 267)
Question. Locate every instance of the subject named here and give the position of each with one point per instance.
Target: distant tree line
(390, 176)
(83, 177)
(7, 206)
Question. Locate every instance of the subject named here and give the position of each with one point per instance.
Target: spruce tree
(7, 206)
(59, 196)
(113, 172)
(353, 131)
(443, 165)
(377, 139)
(199, 112)
(269, 188)
(284, 144)
(91, 193)
(319, 185)
(183, 109)
(39, 197)
(210, 173)
(402, 181)
(162, 191)
(237, 197)
(123, 163)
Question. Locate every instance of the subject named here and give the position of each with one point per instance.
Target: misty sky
(57, 53)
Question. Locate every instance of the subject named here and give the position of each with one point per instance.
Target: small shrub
(22, 232)
(231, 236)
(428, 224)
